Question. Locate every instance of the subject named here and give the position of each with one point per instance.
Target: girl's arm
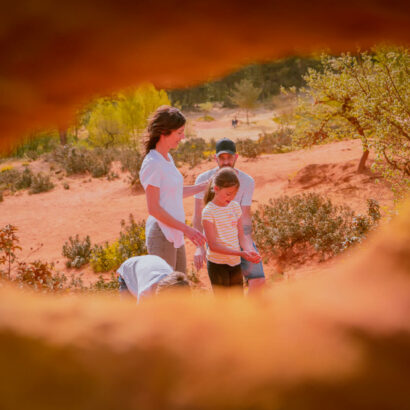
(190, 190)
(159, 213)
(246, 244)
(210, 233)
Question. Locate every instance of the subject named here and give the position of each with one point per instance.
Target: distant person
(222, 222)
(148, 275)
(226, 156)
(165, 190)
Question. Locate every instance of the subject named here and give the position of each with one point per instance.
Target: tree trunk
(362, 163)
(63, 137)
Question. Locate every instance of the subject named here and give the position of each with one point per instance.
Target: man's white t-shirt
(245, 191)
(163, 174)
(141, 272)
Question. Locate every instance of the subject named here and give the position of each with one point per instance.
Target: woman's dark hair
(162, 122)
(224, 178)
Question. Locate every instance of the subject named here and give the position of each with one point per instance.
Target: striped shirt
(225, 219)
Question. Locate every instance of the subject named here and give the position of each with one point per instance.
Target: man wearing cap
(226, 156)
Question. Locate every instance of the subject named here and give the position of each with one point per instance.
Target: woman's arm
(190, 190)
(159, 213)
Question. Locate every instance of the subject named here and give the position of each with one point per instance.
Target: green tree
(121, 119)
(364, 96)
(245, 95)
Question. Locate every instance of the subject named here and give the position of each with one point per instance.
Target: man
(226, 156)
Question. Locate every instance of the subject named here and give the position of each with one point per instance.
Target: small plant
(40, 276)
(8, 246)
(192, 151)
(131, 243)
(131, 160)
(103, 285)
(276, 142)
(248, 148)
(66, 185)
(77, 251)
(40, 183)
(313, 220)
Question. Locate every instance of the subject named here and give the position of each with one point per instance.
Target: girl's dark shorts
(224, 275)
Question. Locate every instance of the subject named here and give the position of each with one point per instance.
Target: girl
(222, 224)
(164, 188)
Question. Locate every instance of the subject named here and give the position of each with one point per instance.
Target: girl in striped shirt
(222, 222)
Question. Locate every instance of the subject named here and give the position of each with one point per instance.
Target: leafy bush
(104, 285)
(8, 247)
(40, 183)
(37, 144)
(131, 243)
(40, 276)
(79, 160)
(206, 118)
(131, 160)
(276, 142)
(310, 219)
(78, 252)
(192, 152)
(248, 148)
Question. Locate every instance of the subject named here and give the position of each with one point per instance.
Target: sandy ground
(96, 207)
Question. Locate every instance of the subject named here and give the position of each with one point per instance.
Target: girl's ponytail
(209, 193)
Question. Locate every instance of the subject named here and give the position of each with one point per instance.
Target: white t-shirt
(245, 191)
(141, 272)
(163, 174)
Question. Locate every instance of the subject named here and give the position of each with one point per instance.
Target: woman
(163, 185)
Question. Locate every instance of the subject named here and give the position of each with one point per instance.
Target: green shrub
(40, 183)
(40, 276)
(106, 285)
(248, 148)
(130, 243)
(276, 142)
(131, 160)
(206, 118)
(192, 152)
(77, 251)
(79, 160)
(37, 144)
(310, 219)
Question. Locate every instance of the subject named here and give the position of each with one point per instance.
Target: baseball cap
(225, 146)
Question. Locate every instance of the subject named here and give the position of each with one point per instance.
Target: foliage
(206, 107)
(206, 118)
(8, 246)
(79, 160)
(103, 285)
(248, 148)
(131, 160)
(37, 144)
(366, 97)
(131, 243)
(245, 95)
(193, 151)
(268, 76)
(121, 118)
(276, 141)
(77, 251)
(40, 183)
(40, 276)
(310, 219)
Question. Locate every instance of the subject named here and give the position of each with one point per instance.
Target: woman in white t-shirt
(165, 190)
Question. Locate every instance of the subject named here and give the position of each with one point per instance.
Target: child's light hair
(173, 281)
(224, 178)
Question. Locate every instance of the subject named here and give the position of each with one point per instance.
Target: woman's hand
(199, 257)
(195, 236)
(251, 256)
